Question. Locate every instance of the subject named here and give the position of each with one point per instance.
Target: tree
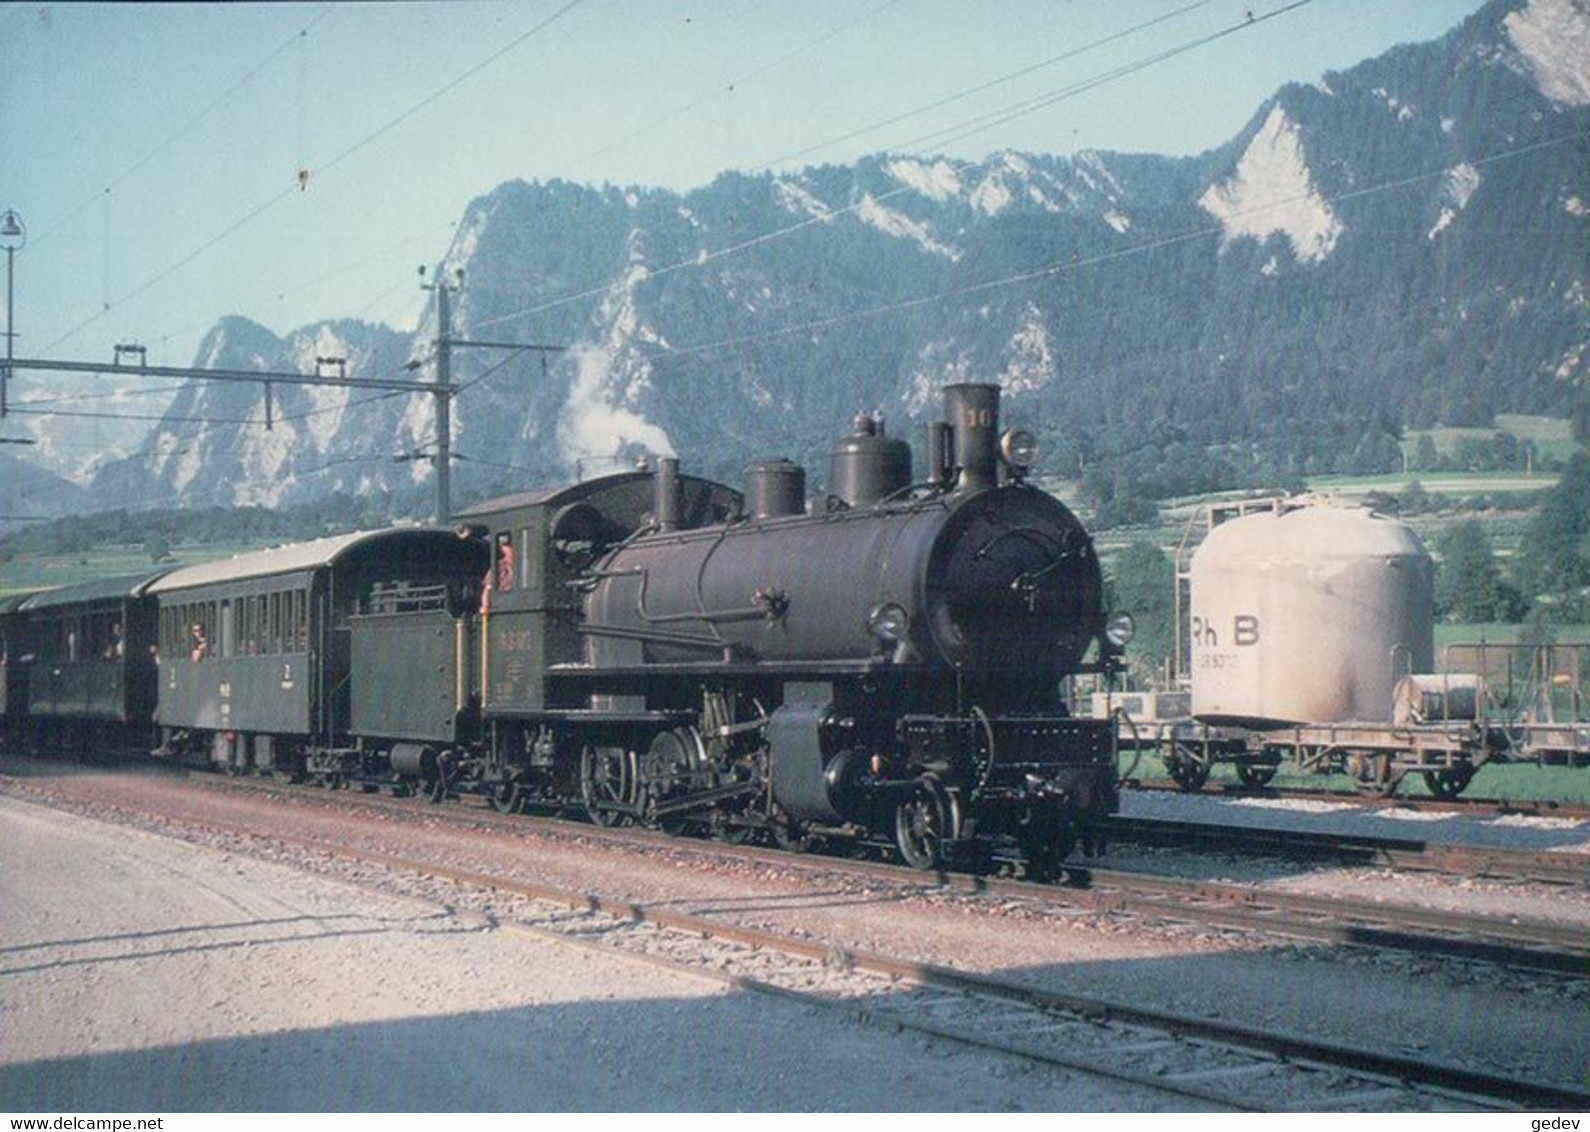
(1426, 457)
(1554, 561)
(1468, 583)
(1141, 583)
(157, 546)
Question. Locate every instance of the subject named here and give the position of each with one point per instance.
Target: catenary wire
(827, 215)
(264, 206)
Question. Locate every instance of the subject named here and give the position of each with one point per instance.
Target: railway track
(1187, 1056)
(1406, 854)
(1474, 807)
(1509, 942)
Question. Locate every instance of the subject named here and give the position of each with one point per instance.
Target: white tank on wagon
(1307, 613)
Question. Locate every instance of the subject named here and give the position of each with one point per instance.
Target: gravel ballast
(1465, 1013)
(142, 973)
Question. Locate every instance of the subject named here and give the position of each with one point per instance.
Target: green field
(1551, 436)
(1353, 488)
(1519, 782)
(27, 572)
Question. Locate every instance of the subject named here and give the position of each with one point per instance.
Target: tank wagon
(1307, 615)
(1310, 636)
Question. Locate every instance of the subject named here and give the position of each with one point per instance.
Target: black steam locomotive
(658, 648)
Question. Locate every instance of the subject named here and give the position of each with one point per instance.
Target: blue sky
(204, 218)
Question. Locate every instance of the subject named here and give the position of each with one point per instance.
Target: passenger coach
(91, 677)
(254, 651)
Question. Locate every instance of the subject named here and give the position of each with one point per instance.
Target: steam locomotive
(888, 666)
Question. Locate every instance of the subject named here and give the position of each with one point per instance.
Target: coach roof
(104, 589)
(295, 557)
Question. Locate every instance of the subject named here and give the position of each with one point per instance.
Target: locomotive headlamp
(1120, 629)
(888, 622)
(1019, 447)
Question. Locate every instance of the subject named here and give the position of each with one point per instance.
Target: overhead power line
(828, 215)
(650, 126)
(1048, 270)
(292, 188)
(979, 88)
(182, 130)
(949, 135)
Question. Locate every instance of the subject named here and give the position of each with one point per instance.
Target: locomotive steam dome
(1307, 614)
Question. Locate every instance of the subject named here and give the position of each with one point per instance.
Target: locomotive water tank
(1307, 613)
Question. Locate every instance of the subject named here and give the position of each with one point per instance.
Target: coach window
(301, 619)
(505, 563)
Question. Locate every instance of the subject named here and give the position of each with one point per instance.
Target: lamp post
(13, 236)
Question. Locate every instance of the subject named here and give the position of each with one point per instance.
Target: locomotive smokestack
(667, 502)
(972, 411)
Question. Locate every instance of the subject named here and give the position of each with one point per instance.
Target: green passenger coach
(255, 651)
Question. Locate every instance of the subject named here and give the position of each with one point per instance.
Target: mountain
(213, 448)
(1402, 244)
(31, 492)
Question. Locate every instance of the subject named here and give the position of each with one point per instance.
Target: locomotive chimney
(972, 411)
(667, 502)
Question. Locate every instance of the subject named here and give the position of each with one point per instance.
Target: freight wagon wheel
(1371, 774)
(1189, 771)
(1255, 775)
(925, 823)
(607, 780)
(1448, 782)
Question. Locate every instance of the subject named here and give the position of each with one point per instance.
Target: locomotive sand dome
(1308, 613)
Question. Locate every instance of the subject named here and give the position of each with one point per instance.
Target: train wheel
(791, 836)
(672, 768)
(607, 780)
(1255, 775)
(729, 832)
(1371, 774)
(1047, 838)
(509, 797)
(1449, 782)
(925, 824)
(1189, 771)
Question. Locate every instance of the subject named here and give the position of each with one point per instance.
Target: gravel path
(140, 973)
(1465, 1013)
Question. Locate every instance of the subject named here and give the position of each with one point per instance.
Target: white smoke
(591, 426)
